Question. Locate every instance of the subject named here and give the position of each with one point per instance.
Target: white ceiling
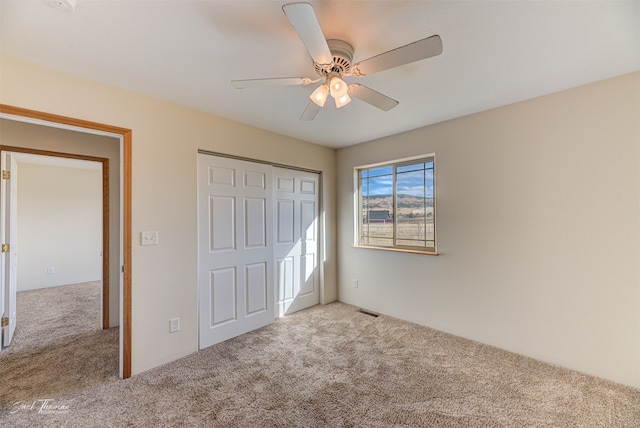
(495, 53)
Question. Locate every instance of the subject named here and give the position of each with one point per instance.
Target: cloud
(408, 183)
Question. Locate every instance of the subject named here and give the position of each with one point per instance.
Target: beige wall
(28, 135)
(538, 218)
(59, 225)
(166, 138)
(538, 226)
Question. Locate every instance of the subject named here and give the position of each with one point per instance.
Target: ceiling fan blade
(284, 81)
(311, 111)
(372, 97)
(416, 51)
(305, 22)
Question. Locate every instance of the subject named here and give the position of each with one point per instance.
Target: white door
(235, 248)
(8, 233)
(296, 239)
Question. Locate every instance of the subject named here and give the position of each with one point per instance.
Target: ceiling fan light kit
(337, 86)
(319, 96)
(343, 100)
(332, 59)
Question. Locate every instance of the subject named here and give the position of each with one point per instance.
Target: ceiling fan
(332, 59)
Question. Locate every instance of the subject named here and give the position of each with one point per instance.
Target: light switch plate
(148, 238)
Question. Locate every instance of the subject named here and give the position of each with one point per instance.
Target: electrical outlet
(355, 283)
(174, 325)
(51, 270)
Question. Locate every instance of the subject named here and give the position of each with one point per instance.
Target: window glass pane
(397, 207)
(364, 227)
(385, 170)
(412, 167)
(380, 186)
(410, 184)
(380, 194)
(364, 187)
(380, 241)
(429, 185)
(430, 214)
(377, 207)
(411, 208)
(364, 238)
(411, 243)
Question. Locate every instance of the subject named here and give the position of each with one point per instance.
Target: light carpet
(327, 366)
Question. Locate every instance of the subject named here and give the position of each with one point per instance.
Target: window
(396, 205)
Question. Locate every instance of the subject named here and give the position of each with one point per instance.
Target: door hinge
(5, 321)
(5, 248)
(6, 174)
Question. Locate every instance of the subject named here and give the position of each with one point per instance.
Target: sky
(410, 180)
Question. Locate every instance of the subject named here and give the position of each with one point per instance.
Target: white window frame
(359, 215)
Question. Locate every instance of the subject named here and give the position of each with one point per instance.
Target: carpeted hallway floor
(327, 366)
(59, 347)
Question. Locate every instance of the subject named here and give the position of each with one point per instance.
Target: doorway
(124, 136)
(49, 214)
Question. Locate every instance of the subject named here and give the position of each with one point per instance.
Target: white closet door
(235, 248)
(296, 239)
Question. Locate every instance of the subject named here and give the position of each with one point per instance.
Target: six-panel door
(296, 240)
(235, 255)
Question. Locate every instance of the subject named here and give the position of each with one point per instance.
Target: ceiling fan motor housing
(342, 53)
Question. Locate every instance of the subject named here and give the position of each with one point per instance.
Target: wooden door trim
(105, 214)
(126, 138)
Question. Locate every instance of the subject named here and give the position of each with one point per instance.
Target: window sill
(398, 250)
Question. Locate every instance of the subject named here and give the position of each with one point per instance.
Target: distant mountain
(406, 203)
